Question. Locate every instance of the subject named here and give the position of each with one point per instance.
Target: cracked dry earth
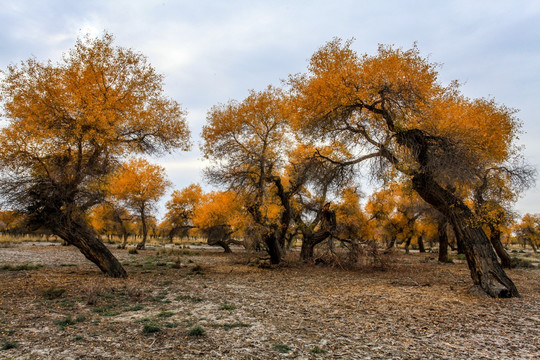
(415, 309)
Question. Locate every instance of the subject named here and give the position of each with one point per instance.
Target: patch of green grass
(282, 348)
(317, 350)
(77, 338)
(235, 325)
(135, 307)
(166, 283)
(53, 293)
(143, 320)
(150, 328)
(461, 257)
(10, 345)
(228, 307)
(106, 310)
(171, 325)
(67, 321)
(22, 267)
(196, 331)
(165, 314)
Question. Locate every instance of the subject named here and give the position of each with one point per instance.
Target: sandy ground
(415, 309)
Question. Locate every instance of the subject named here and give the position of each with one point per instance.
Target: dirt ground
(202, 304)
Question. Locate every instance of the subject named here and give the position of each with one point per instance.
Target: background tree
(180, 209)
(391, 110)
(139, 185)
(112, 219)
(528, 230)
(69, 124)
(219, 215)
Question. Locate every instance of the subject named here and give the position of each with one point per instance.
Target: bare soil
(415, 309)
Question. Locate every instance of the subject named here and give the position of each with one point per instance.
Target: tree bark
(443, 241)
(495, 239)
(311, 239)
(421, 247)
(407, 244)
(274, 249)
(81, 236)
(486, 272)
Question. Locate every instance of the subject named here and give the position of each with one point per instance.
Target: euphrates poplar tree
(68, 126)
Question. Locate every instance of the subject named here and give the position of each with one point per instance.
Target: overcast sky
(213, 51)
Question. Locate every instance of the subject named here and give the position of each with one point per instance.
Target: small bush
(197, 269)
(196, 331)
(77, 338)
(133, 251)
(228, 307)
(10, 345)
(53, 293)
(150, 328)
(521, 263)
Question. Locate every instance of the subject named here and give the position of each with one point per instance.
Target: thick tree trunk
(407, 244)
(495, 239)
(486, 272)
(311, 239)
(274, 249)
(443, 242)
(82, 237)
(421, 247)
(390, 245)
(307, 249)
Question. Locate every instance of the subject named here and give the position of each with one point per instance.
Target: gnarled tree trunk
(311, 239)
(82, 237)
(486, 272)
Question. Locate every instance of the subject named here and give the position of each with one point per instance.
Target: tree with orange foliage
(528, 230)
(392, 110)
(139, 185)
(112, 219)
(247, 143)
(181, 208)
(219, 215)
(68, 126)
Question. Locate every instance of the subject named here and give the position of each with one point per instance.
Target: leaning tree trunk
(486, 272)
(82, 237)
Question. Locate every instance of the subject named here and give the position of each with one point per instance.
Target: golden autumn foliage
(364, 100)
(219, 208)
(139, 184)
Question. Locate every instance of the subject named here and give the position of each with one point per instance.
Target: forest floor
(202, 304)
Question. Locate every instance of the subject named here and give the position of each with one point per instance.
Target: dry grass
(415, 309)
